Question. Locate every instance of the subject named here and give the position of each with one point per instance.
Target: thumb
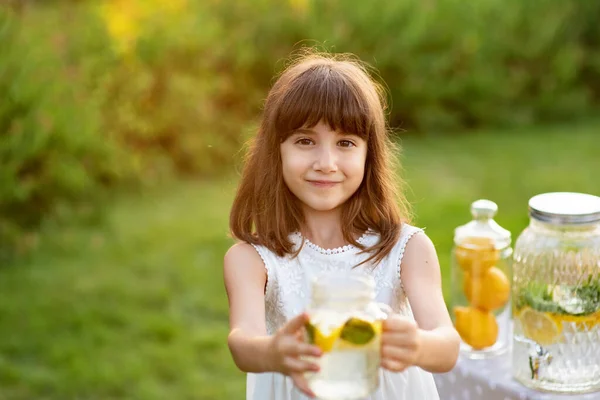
(397, 323)
(295, 324)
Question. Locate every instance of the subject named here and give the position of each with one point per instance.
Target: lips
(323, 184)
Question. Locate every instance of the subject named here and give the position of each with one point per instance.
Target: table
(492, 380)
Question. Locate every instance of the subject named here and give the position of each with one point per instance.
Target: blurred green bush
(98, 93)
(53, 153)
(449, 64)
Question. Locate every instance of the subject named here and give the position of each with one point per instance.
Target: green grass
(134, 308)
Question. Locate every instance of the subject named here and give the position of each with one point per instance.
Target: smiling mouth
(323, 184)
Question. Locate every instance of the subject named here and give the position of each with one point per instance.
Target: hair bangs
(323, 94)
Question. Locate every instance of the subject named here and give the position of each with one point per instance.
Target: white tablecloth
(492, 380)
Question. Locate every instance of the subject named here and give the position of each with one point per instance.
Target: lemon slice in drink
(540, 326)
(318, 338)
(582, 322)
(359, 332)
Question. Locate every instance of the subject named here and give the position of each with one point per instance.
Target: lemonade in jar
(345, 323)
(556, 295)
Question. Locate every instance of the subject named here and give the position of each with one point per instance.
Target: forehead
(326, 96)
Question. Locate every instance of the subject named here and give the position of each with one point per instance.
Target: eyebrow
(304, 130)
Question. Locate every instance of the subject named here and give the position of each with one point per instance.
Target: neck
(324, 228)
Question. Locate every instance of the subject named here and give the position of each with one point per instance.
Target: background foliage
(121, 123)
(136, 91)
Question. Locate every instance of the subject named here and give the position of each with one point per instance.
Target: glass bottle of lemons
(481, 280)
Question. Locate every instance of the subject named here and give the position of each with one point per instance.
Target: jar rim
(565, 208)
(344, 285)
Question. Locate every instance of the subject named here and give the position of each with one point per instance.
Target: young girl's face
(321, 167)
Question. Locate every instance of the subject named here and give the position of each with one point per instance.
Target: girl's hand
(287, 349)
(400, 343)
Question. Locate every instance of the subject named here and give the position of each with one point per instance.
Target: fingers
(303, 349)
(290, 351)
(398, 354)
(290, 346)
(401, 332)
(404, 340)
(403, 348)
(400, 343)
(399, 323)
(301, 383)
(296, 365)
(295, 324)
(393, 365)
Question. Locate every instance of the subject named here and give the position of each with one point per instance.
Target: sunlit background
(121, 129)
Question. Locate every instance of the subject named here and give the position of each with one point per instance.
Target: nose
(326, 160)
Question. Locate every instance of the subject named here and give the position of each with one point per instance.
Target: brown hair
(338, 90)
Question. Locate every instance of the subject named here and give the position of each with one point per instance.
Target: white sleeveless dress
(287, 294)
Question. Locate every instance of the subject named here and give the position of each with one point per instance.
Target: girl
(318, 193)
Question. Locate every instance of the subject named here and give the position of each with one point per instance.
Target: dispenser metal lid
(565, 208)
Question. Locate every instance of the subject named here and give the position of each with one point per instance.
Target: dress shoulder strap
(270, 261)
(406, 233)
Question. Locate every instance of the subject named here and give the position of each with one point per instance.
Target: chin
(322, 206)
(324, 209)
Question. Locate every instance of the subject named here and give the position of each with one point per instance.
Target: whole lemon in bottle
(488, 291)
(477, 328)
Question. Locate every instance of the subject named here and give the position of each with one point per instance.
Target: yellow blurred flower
(122, 22)
(300, 6)
(170, 6)
(126, 19)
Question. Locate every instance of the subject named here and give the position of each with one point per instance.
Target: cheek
(356, 166)
(285, 169)
(293, 165)
(289, 168)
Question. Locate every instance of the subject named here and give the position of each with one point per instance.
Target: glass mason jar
(481, 274)
(345, 322)
(556, 295)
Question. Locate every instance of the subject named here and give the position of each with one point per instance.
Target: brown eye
(304, 142)
(346, 143)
